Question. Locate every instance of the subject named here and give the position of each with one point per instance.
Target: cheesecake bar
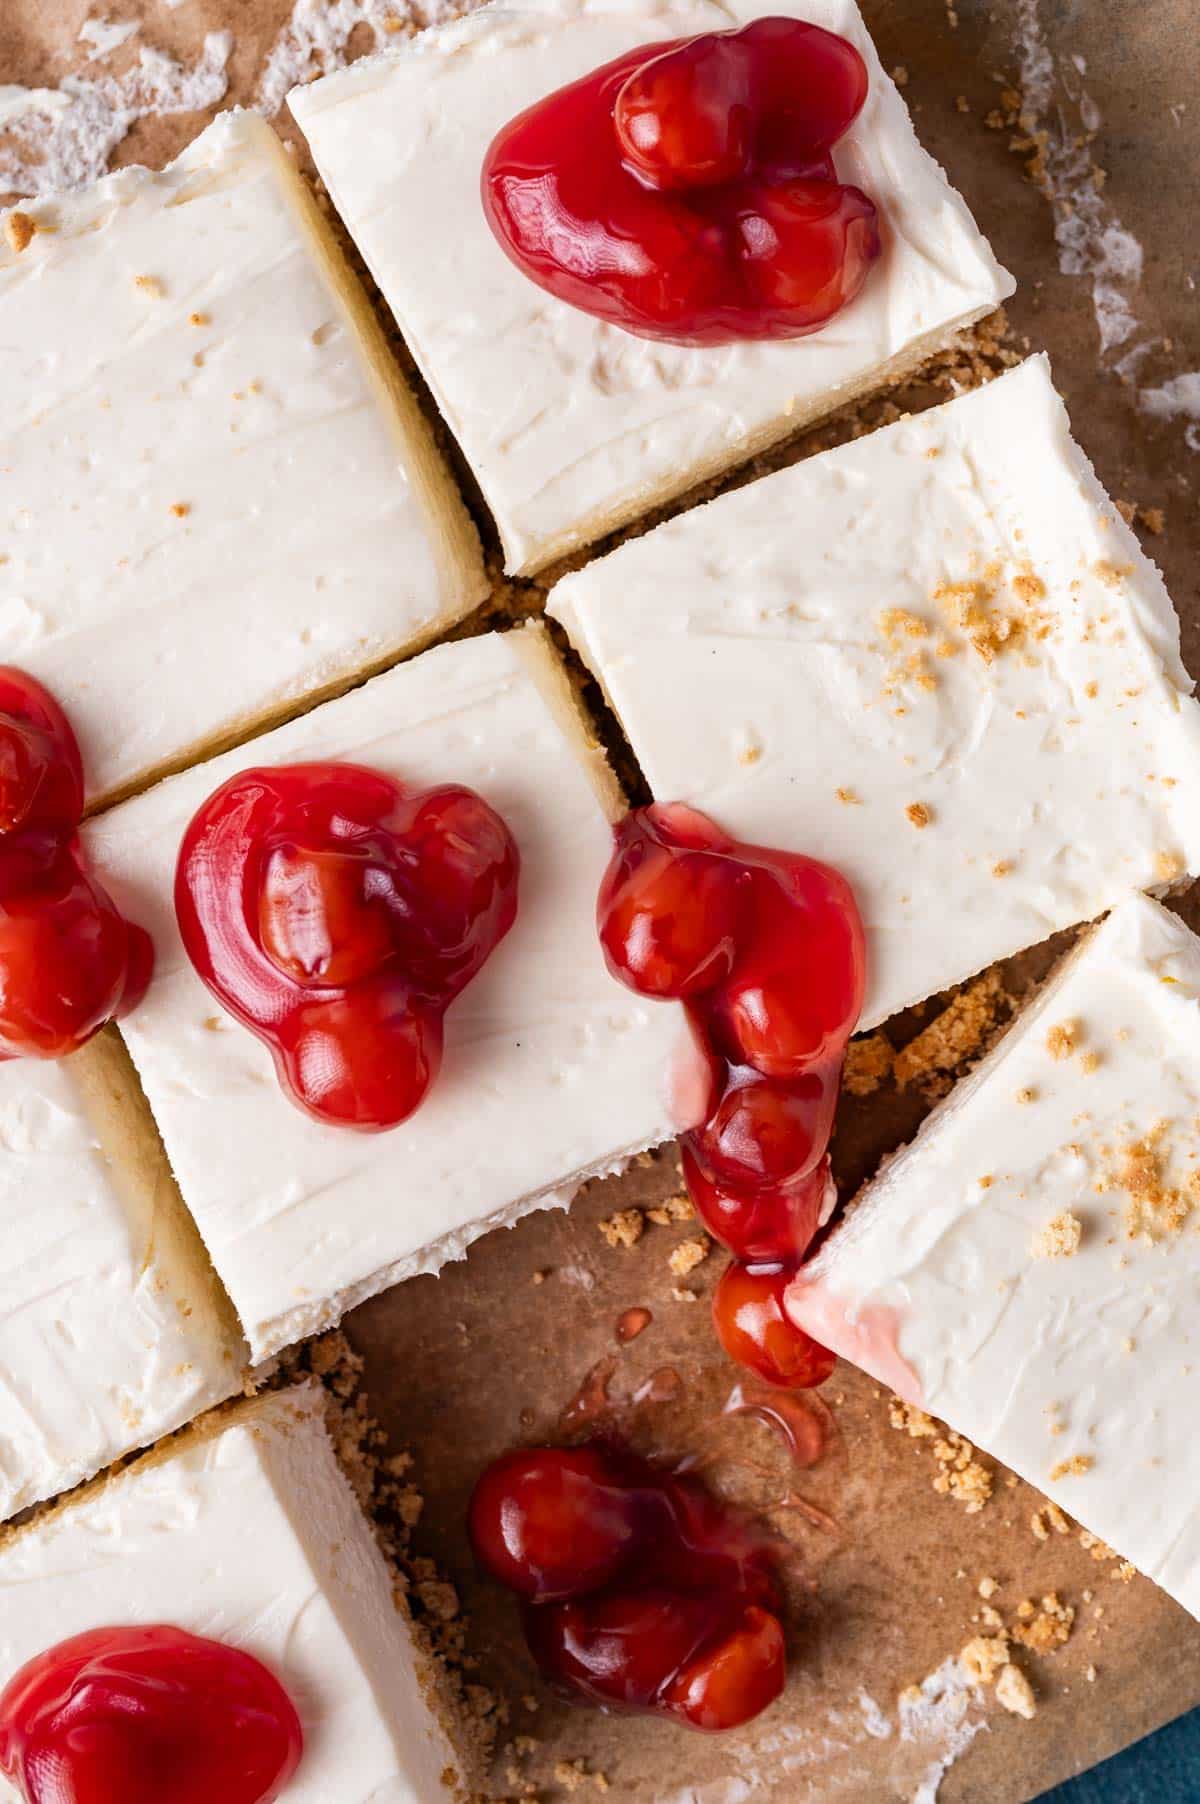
(573, 426)
(552, 1072)
(936, 658)
(112, 1328)
(217, 496)
(244, 1530)
(1028, 1269)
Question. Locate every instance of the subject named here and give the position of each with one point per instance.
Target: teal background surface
(1163, 1769)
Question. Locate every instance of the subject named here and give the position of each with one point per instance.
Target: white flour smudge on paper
(1092, 241)
(937, 1712)
(1178, 399)
(56, 138)
(106, 35)
(316, 37)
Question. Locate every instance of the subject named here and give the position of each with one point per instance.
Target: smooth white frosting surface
(569, 424)
(108, 1338)
(815, 654)
(552, 1070)
(251, 1536)
(1094, 1353)
(311, 545)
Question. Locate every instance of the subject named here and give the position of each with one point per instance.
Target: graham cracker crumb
(20, 229)
(1074, 1467)
(958, 1034)
(676, 1208)
(199, 319)
(1154, 1207)
(988, 1587)
(849, 797)
(919, 814)
(151, 286)
(1153, 519)
(624, 1229)
(1002, 868)
(960, 1474)
(868, 1064)
(1015, 1693)
(181, 509)
(1046, 1519)
(1059, 1239)
(984, 1657)
(680, 1294)
(1044, 1631)
(1110, 574)
(1168, 866)
(1062, 1041)
(1090, 1062)
(1026, 1095)
(900, 75)
(688, 1255)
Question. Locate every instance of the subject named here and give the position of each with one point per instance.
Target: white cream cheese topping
(247, 1533)
(216, 496)
(573, 426)
(552, 1072)
(109, 1332)
(1028, 1269)
(936, 657)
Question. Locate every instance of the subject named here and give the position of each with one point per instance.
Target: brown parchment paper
(883, 1581)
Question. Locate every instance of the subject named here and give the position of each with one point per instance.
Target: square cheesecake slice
(552, 1071)
(217, 495)
(935, 657)
(113, 1330)
(244, 1530)
(573, 426)
(1028, 1269)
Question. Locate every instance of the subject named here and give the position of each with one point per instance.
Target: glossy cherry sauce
(687, 191)
(765, 950)
(640, 1590)
(337, 915)
(146, 1715)
(68, 960)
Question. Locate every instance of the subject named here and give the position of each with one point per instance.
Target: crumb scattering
(1015, 1693)
(688, 1255)
(919, 814)
(676, 1208)
(868, 1064)
(624, 1229)
(1063, 1039)
(1073, 1467)
(151, 286)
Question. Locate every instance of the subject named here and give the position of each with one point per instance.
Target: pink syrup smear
(870, 1340)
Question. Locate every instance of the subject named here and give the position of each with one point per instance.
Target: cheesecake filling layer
(550, 1074)
(937, 658)
(1028, 1269)
(572, 425)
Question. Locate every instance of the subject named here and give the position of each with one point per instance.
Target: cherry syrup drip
(687, 191)
(639, 1590)
(143, 1715)
(766, 952)
(69, 961)
(337, 916)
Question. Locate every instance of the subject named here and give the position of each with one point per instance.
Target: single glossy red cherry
(668, 915)
(771, 1223)
(364, 1059)
(552, 1522)
(686, 119)
(318, 922)
(698, 1544)
(143, 1715)
(765, 1132)
(41, 773)
(619, 1648)
(730, 1682)
(797, 986)
(756, 1332)
(686, 191)
(460, 869)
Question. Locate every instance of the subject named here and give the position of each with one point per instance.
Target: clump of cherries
(766, 951)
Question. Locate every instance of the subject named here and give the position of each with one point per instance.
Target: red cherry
(143, 1715)
(696, 1543)
(668, 917)
(317, 921)
(552, 1522)
(41, 773)
(337, 917)
(773, 1223)
(797, 987)
(620, 1648)
(687, 118)
(727, 1684)
(765, 1133)
(68, 961)
(807, 248)
(755, 1331)
(686, 191)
